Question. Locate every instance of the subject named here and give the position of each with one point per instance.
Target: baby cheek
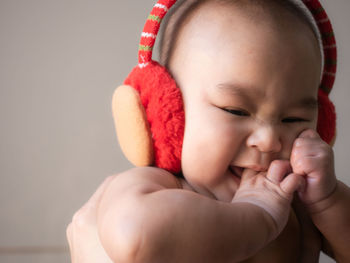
(288, 138)
(294, 132)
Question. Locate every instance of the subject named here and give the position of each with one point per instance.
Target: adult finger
(70, 239)
(95, 198)
(69, 234)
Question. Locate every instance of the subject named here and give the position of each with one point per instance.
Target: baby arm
(144, 217)
(326, 199)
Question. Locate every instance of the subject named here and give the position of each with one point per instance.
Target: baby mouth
(237, 171)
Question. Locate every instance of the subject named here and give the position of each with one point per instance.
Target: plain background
(60, 62)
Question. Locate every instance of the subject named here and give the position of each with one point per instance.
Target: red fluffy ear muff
(161, 101)
(150, 122)
(326, 123)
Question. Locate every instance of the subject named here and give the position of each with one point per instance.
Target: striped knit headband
(324, 25)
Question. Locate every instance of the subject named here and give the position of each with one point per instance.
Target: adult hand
(84, 242)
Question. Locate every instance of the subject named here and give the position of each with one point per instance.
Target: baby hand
(313, 158)
(272, 191)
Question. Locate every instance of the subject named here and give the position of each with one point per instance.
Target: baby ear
(132, 127)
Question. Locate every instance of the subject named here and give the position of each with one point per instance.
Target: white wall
(59, 64)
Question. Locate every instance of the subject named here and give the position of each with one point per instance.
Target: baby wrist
(323, 205)
(263, 217)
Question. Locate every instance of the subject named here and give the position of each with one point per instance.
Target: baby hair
(183, 10)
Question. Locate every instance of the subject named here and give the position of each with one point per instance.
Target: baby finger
(278, 170)
(292, 183)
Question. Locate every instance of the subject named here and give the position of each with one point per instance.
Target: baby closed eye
(244, 113)
(293, 120)
(241, 113)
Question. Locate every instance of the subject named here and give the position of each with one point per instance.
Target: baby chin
(226, 188)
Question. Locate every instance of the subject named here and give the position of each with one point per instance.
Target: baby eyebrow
(236, 89)
(308, 103)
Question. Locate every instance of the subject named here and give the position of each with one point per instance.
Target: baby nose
(266, 138)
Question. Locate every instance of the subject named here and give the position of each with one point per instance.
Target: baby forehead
(214, 29)
(280, 12)
(230, 15)
(302, 96)
(214, 25)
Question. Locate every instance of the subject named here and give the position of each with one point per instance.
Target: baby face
(249, 90)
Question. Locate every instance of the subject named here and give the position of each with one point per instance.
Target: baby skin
(259, 183)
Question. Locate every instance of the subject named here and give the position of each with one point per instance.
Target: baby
(258, 181)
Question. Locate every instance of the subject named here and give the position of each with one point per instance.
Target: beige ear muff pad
(131, 126)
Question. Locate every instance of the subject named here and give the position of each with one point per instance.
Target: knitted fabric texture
(328, 41)
(150, 30)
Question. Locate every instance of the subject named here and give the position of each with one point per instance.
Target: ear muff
(150, 122)
(326, 122)
(326, 125)
(132, 127)
(161, 106)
